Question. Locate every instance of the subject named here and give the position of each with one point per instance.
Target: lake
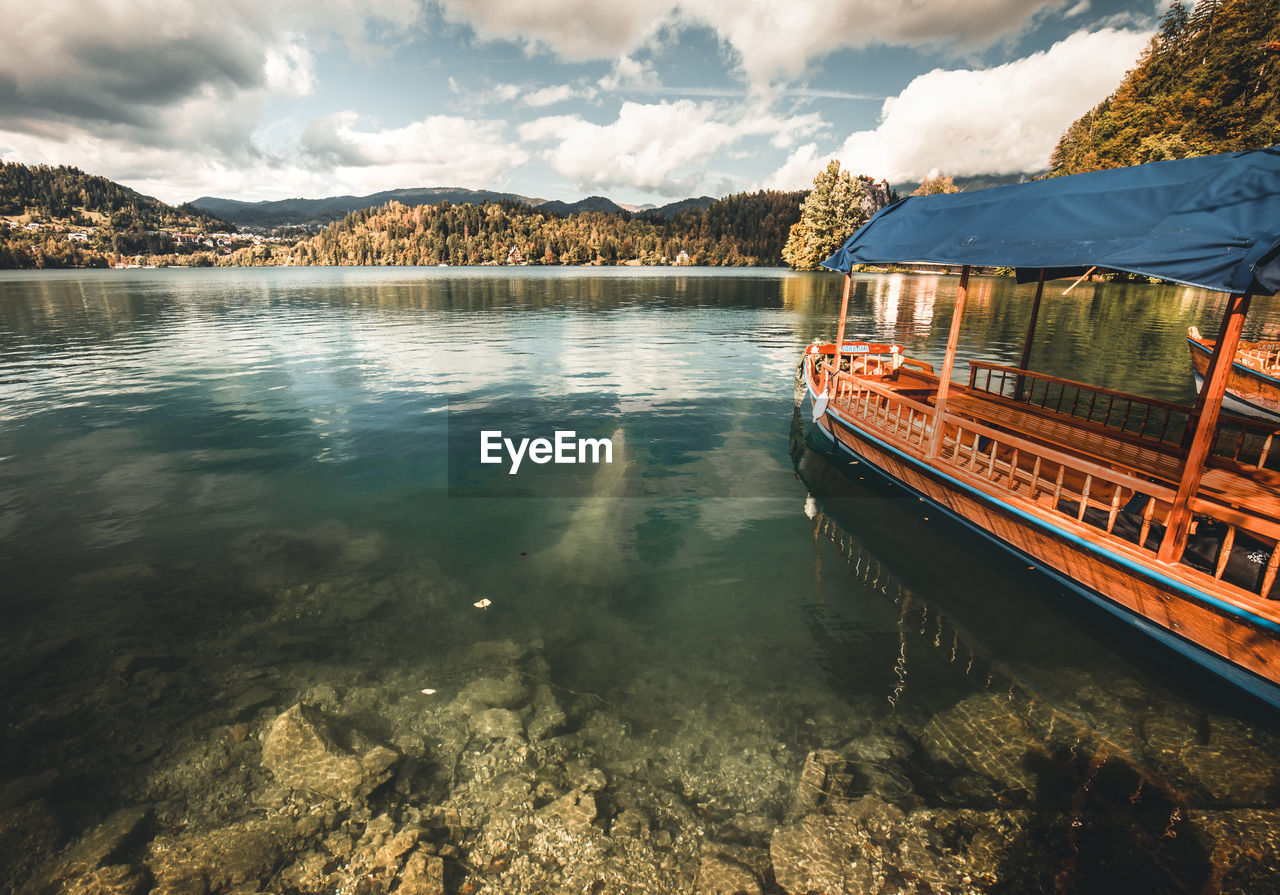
(723, 659)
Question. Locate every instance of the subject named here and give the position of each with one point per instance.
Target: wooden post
(1031, 331)
(844, 315)
(1215, 386)
(1198, 408)
(948, 361)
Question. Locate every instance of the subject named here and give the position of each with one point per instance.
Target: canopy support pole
(844, 316)
(1215, 386)
(1031, 331)
(948, 361)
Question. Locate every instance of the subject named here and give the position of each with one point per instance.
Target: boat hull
(1249, 391)
(1234, 649)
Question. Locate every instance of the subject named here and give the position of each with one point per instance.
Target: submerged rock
(423, 874)
(820, 854)
(303, 751)
(1244, 849)
(497, 724)
(196, 863)
(29, 833)
(984, 735)
(115, 879)
(1218, 761)
(100, 854)
(718, 875)
(548, 718)
(576, 809)
(871, 846)
(506, 692)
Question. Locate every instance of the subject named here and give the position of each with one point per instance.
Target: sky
(644, 101)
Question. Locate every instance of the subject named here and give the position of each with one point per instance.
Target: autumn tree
(931, 186)
(1205, 84)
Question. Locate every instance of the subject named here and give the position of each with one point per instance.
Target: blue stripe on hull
(1240, 677)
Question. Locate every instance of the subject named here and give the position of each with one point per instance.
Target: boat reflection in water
(1022, 709)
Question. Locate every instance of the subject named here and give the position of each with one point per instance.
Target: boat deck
(1102, 463)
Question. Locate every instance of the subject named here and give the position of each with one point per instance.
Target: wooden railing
(1159, 423)
(1247, 442)
(864, 358)
(901, 418)
(1232, 547)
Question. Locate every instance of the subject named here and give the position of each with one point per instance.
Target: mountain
(671, 209)
(318, 212)
(67, 195)
(591, 203)
(1208, 82)
(300, 212)
(974, 181)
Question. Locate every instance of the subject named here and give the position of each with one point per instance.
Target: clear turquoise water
(160, 430)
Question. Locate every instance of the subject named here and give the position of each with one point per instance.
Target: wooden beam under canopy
(948, 361)
(1031, 331)
(844, 316)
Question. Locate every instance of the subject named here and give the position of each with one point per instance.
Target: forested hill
(744, 229)
(1208, 82)
(66, 194)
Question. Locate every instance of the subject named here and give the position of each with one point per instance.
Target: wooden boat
(1167, 515)
(1253, 386)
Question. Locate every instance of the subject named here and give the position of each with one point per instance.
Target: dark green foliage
(64, 193)
(1206, 83)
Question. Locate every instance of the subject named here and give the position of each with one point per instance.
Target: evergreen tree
(837, 205)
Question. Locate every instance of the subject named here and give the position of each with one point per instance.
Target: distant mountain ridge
(972, 182)
(297, 212)
(65, 193)
(315, 212)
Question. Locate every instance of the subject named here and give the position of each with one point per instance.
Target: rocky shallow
(350, 724)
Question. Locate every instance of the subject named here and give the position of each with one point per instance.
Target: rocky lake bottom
(354, 724)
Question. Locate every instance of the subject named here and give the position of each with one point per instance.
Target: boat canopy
(1212, 222)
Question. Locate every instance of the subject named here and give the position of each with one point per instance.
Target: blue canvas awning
(1212, 221)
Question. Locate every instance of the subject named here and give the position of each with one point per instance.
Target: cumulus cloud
(770, 39)
(999, 120)
(441, 149)
(660, 147)
(549, 96)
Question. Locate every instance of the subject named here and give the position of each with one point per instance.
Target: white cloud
(441, 150)
(549, 96)
(999, 120)
(335, 154)
(770, 39)
(661, 147)
(575, 29)
(630, 74)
